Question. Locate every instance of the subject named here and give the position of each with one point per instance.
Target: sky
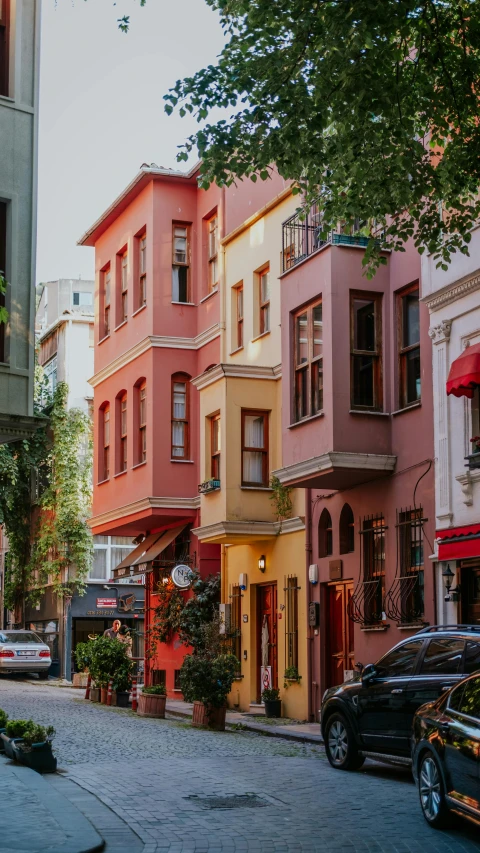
(101, 110)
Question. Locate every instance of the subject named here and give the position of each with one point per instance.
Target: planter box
(151, 705)
(273, 708)
(123, 699)
(39, 758)
(104, 696)
(94, 694)
(208, 718)
(8, 745)
(80, 679)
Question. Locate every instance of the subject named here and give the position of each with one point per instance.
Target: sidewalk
(283, 728)
(35, 818)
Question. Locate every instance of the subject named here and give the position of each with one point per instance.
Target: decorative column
(440, 336)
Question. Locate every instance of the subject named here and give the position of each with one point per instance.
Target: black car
(446, 754)
(372, 716)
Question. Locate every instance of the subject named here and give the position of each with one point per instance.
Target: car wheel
(340, 746)
(432, 792)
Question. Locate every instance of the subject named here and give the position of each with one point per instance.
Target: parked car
(372, 716)
(23, 651)
(446, 754)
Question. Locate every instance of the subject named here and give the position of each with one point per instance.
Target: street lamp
(448, 577)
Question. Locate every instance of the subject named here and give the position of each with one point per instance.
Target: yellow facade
(270, 622)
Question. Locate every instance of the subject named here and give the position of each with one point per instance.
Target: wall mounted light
(448, 577)
(456, 593)
(262, 563)
(243, 582)
(313, 573)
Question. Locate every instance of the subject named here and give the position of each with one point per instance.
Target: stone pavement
(154, 786)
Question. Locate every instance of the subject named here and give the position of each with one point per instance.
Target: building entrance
(266, 636)
(340, 653)
(470, 584)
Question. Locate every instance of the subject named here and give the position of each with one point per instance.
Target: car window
(470, 703)
(443, 656)
(455, 698)
(472, 658)
(21, 637)
(400, 661)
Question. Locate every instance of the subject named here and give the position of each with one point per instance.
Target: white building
(453, 298)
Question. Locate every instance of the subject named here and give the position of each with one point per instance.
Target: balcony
(208, 486)
(302, 236)
(337, 470)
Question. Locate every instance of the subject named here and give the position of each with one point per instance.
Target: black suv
(372, 716)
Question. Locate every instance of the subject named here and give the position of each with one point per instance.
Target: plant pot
(208, 718)
(39, 758)
(151, 705)
(94, 694)
(273, 708)
(8, 745)
(80, 679)
(123, 699)
(103, 695)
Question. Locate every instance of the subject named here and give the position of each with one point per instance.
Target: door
(382, 718)
(462, 743)
(440, 669)
(266, 633)
(340, 649)
(471, 595)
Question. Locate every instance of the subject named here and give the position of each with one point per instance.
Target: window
(212, 253)
(238, 294)
(82, 298)
(443, 656)
(124, 283)
(408, 308)
(236, 621)
(123, 433)
(51, 376)
(4, 45)
(347, 530)
(366, 348)
(254, 448)
(3, 262)
(373, 542)
(106, 301)
(159, 676)
(325, 535)
(176, 680)
(108, 552)
(410, 593)
(181, 263)
(400, 661)
(142, 423)
(179, 417)
(264, 292)
(215, 447)
(291, 622)
(472, 658)
(105, 443)
(308, 362)
(142, 269)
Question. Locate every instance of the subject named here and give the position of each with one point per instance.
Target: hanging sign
(106, 602)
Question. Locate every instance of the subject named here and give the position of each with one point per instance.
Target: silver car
(23, 651)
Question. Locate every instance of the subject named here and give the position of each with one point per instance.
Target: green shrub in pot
(272, 702)
(17, 728)
(3, 719)
(83, 655)
(122, 680)
(36, 733)
(109, 661)
(155, 690)
(208, 680)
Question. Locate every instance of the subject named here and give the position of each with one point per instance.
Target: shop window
(212, 225)
(308, 362)
(325, 535)
(48, 632)
(255, 467)
(408, 308)
(180, 416)
(215, 444)
(181, 263)
(291, 622)
(366, 351)
(347, 530)
(4, 46)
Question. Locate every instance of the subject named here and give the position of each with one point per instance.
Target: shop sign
(99, 613)
(182, 576)
(106, 602)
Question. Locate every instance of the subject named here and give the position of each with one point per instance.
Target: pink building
(358, 436)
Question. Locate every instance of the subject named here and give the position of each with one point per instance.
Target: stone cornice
(236, 371)
(250, 529)
(319, 464)
(155, 341)
(452, 292)
(143, 505)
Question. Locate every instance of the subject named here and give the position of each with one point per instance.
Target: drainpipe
(223, 295)
(308, 560)
(223, 574)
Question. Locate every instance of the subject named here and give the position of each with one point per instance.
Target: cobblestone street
(151, 785)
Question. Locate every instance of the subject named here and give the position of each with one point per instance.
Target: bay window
(366, 351)
(408, 308)
(255, 468)
(180, 263)
(308, 362)
(180, 417)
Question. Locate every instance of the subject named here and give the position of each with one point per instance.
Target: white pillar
(440, 336)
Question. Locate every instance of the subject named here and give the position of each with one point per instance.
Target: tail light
(7, 653)
(45, 653)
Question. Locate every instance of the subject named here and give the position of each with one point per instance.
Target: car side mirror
(368, 673)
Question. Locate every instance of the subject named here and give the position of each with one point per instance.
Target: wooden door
(340, 650)
(266, 632)
(470, 584)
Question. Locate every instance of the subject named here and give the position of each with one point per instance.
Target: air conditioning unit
(208, 486)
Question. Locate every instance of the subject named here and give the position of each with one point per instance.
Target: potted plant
(3, 723)
(35, 748)
(122, 683)
(94, 693)
(14, 731)
(291, 674)
(152, 701)
(272, 702)
(206, 681)
(108, 657)
(83, 654)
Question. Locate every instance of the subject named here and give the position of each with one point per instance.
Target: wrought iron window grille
(366, 604)
(291, 590)
(234, 628)
(404, 601)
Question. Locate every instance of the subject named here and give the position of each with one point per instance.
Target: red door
(266, 633)
(340, 653)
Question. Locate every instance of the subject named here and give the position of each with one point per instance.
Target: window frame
(404, 351)
(182, 264)
(105, 443)
(346, 530)
(314, 363)
(180, 379)
(5, 36)
(142, 423)
(215, 451)
(263, 450)
(325, 534)
(239, 314)
(212, 232)
(264, 305)
(123, 286)
(376, 355)
(123, 433)
(373, 528)
(291, 590)
(3, 266)
(142, 270)
(107, 300)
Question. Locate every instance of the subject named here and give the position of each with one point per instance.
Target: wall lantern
(448, 577)
(313, 573)
(243, 582)
(262, 563)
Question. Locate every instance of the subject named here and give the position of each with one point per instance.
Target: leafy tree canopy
(371, 104)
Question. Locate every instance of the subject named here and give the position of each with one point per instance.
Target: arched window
(121, 426)
(180, 416)
(325, 535)
(104, 442)
(347, 530)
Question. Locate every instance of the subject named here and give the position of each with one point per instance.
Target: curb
(81, 836)
(260, 730)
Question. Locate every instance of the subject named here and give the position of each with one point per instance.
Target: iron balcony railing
(303, 234)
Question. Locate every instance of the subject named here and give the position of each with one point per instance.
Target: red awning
(459, 543)
(464, 373)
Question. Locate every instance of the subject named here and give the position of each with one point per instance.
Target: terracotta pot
(151, 705)
(103, 695)
(94, 694)
(80, 679)
(208, 718)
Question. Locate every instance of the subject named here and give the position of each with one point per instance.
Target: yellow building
(263, 559)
